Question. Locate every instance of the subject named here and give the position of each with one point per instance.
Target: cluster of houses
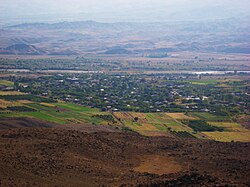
(122, 93)
(130, 92)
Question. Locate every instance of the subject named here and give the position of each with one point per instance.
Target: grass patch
(180, 116)
(20, 109)
(11, 93)
(5, 104)
(28, 97)
(158, 118)
(151, 123)
(6, 83)
(47, 117)
(40, 107)
(229, 126)
(76, 108)
(210, 117)
(229, 136)
(203, 82)
(145, 129)
(203, 126)
(106, 117)
(73, 113)
(47, 104)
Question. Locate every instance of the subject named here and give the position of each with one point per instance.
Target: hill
(21, 49)
(84, 37)
(59, 157)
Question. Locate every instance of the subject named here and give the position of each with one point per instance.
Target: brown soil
(89, 128)
(62, 157)
(159, 165)
(10, 123)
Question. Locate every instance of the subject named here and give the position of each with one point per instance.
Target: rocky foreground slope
(63, 157)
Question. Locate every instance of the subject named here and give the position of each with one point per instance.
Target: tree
(136, 119)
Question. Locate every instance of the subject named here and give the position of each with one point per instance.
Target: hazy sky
(119, 10)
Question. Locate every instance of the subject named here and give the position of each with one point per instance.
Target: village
(143, 93)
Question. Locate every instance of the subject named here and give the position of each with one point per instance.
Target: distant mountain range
(213, 26)
(125, 38)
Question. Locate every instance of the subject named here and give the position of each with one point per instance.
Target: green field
(159, 123)
(229, 136)
(194, 125)
(6, 83)
(203, 126)
(62, 113)
(210, 117)
(229, 126)
(204, 82)
(76, 108)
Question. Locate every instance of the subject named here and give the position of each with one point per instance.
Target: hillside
(119, 38)
(21, 49)
(71, 158)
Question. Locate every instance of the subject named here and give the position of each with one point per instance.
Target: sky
(119, 10)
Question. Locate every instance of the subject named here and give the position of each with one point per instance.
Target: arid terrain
(152, 40)
(59, 156)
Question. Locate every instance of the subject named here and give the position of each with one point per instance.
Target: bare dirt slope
(10, 123)
(62, 157)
